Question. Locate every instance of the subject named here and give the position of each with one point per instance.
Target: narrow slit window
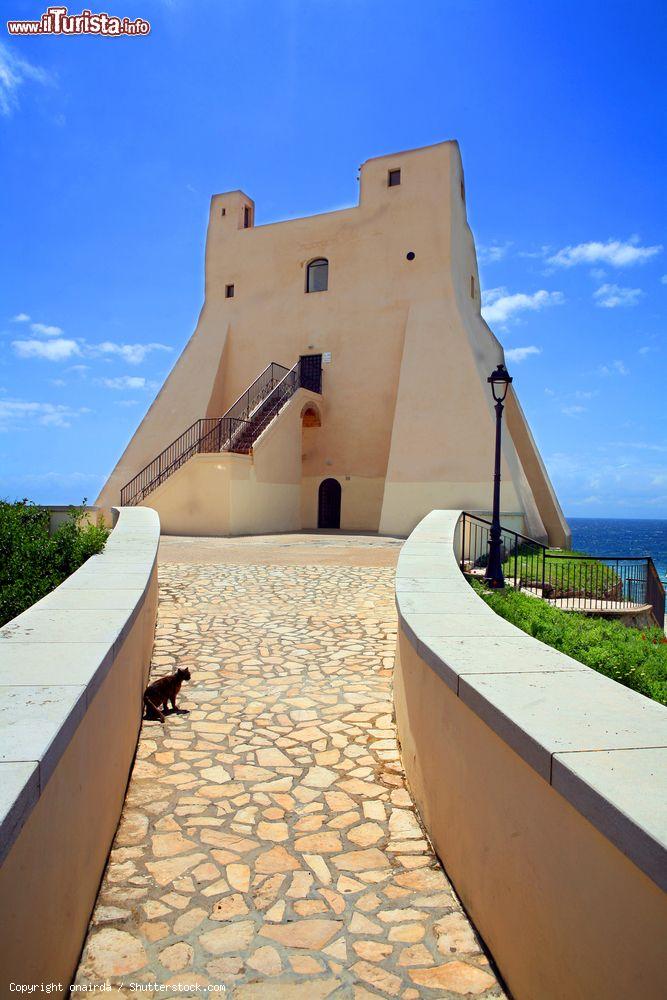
(247, 217)
(472, 286)
(317, 275)
(394, 178)
(223, 211)
(229, 291)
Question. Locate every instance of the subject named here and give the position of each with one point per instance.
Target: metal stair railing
(205, 435)
(236, 431)
(245, 436)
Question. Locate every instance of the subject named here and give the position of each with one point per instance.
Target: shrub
(32, 560)
(637, 659)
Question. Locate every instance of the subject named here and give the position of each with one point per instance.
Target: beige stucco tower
(387, 292)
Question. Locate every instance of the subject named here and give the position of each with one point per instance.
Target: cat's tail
(151, 707)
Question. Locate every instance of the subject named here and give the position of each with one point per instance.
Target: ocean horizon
(614, 536)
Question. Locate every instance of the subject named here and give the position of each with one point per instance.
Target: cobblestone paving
(268, 842)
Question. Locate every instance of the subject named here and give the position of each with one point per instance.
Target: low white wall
(541, 784)
(59, 514)
(73, 669)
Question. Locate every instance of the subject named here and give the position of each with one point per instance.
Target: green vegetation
(635, 658)
(32, 560)
(563, 575)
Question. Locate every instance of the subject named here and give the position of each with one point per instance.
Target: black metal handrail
(602, 584)
(236, 431)
(306, 374)
(205, 435)
(255, 393)
(521, 556)
(655, 592)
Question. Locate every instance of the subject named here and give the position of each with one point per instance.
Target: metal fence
(602, 584)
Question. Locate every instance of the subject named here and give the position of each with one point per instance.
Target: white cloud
(61, 348)
(517, 354)
(614, 368)
(492, 254)
(14, 72)
(615, 253)
(611, 296)
(20, 318)
(46, 331)
(637, 445)
(645, 350)
(664, 279)
(51, 350)
(535, 254)
(623, 475)
(15, 413)
(499, 306)
(134, 354)
(573, 411)
(57, 417)
(127, 382)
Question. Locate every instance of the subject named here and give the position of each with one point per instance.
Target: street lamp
(500, 382)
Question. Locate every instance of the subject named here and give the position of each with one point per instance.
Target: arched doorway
(328, 504)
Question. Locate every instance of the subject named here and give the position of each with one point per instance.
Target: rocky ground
(268, 844)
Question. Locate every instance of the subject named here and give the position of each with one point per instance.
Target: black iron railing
(236, 431)
(206, 435)
(603, 584)
(655, 593)
(259, 390)
(522, 557)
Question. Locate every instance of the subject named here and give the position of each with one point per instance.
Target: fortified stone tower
(337, 374)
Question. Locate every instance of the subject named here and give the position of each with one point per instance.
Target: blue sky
(111, 149)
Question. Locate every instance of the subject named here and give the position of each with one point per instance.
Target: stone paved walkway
(268, 842)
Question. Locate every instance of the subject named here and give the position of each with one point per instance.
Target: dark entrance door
(311, 372)
(328, 506)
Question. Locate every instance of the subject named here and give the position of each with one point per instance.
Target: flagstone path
(268, 843)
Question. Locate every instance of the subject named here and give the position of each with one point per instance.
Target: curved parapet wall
(540, 782)
(73, 669)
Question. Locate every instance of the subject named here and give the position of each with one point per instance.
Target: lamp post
(500, 381)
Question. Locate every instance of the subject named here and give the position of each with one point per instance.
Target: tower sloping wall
(407, 420)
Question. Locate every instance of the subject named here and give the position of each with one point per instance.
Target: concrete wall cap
(599, 744)
(55, 655)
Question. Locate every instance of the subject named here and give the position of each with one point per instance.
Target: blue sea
(601, 536)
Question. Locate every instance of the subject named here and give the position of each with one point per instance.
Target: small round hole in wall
(410, 255)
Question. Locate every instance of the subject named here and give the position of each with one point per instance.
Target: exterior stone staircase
(236, 431)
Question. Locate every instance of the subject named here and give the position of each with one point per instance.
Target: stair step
(205, 435)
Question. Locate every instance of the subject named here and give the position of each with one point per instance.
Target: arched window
(311, 417)
(317, 275)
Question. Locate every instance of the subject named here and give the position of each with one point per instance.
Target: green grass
(586, 576)
(32, 560)
(637, 659)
